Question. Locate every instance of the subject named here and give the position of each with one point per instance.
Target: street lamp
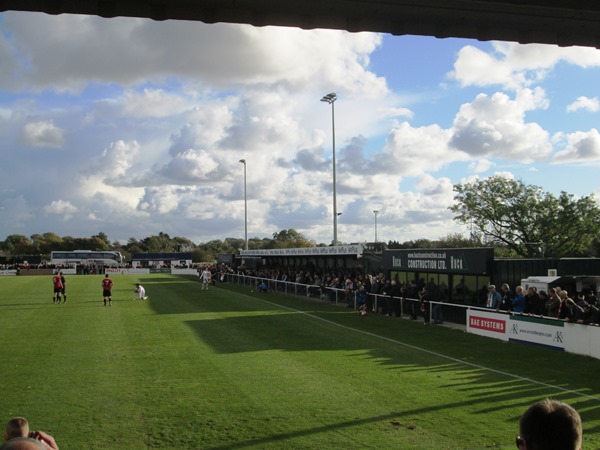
(331, 98)
(375, 212)
(243, 161)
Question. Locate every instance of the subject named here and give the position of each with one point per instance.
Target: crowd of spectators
(374, 293)
(582, 307)
(370, 293)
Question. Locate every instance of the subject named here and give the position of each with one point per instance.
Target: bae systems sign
(468, 260)
(517, 328)
(490, 324)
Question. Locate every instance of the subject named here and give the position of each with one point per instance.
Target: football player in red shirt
(58, 286)
(107, 285)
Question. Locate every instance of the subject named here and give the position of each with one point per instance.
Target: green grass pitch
(232, 369)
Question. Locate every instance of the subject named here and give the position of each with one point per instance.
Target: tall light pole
(375, 212)
(243, 161)
(331, 98)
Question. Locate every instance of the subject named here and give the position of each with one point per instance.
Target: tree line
(516, 219)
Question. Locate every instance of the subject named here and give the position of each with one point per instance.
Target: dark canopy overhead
(565, 23)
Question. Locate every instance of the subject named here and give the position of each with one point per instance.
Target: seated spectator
(38, 441)
(18, 437)
(550, 425)
(16, 427)
(23, 443)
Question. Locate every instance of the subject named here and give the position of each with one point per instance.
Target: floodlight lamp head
(329, 98)
(243, 161)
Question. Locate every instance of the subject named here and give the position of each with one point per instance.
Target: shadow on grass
(403, 419)
(491, 388)
(292, 324)
(186, 296)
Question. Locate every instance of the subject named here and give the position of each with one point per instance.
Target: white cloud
(153, 103)
(515, 66)
(62, 208)
(495, 127)
(581, 147)
(585, 103)
(43, 134)
(480, 165)
(66, 52)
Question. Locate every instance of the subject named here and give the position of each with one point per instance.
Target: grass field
(231, 369)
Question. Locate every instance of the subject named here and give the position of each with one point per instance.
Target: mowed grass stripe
(216, 369)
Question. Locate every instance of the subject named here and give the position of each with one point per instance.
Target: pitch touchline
(431, 352)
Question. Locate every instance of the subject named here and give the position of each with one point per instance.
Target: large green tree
(525, 219)
(290, 239)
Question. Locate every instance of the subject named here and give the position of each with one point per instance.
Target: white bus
(107, 258)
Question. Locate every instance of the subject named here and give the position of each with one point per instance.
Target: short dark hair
(551, 425)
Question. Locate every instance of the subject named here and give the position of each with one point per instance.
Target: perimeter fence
(384, 304)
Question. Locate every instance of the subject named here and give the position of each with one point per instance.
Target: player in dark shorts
(58, 287)
(107, 285)
(63, 291)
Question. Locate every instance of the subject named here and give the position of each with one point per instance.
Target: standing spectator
(424, 305)
(591, 298)
(533, 302)
(57, 286)
(412, 293)
(395, 297)
(361, 301)
(333, 289)
(518, 302)
(544, 297)
(437, 312)
(372, 299)
(386, 289)
(493, 298)
(563, 310)
(552, 303)
(550, 425)
(575, 313)
(349, 293)
(507, 297)
(107, 285)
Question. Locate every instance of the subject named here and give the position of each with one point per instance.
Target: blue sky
(132, 127)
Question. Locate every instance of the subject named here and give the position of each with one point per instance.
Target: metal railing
(406, 307)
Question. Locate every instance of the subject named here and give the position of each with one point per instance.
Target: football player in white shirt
(205, 276)
(139, 292)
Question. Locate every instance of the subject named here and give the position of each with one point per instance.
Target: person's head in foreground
(550, 425)
(16, 427)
